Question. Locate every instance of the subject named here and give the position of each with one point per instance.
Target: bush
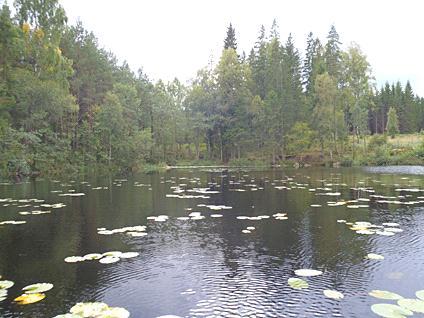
(377, 141)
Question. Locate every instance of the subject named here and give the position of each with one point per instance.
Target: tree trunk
(110, 149)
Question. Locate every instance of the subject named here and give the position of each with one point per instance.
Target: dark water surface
(208, 267)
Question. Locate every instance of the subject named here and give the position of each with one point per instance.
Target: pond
(225, 246)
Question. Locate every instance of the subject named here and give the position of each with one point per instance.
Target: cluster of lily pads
(31, 293)
(105, 258)
(158, 218)
(367, 228)
(298, 283)
(404, 307)
(248, 230)
(95, 310)
(135, 231)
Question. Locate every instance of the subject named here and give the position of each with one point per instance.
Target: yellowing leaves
(26, 28)
(39, 34)
(26, 299)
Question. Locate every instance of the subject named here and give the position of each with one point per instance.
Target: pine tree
(392, 123)
(230, 40)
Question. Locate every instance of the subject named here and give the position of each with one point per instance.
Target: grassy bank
(374, 150)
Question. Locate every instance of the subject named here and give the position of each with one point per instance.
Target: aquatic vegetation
(307, 272)
(33, 293)
(420, 294)
(71, 194)
(95, 310)
(333, 294)
(390, 311)
(127, 229)
(415, 305)
(297, 283)
(37, 288)
(375, 256)
(105, 258)
(12, 222)
(4, 286)
(26, 299)
(383, 294)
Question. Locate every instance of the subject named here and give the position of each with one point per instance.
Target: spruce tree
(307, 64)
(230, 40)
(333, 53)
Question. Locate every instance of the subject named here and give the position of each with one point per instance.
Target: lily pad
(37, 288)
(109, 260)
(98, 310)
(6, 284)
(390, 311)
(420, 294)
(333, 294)
(89, 309)
(26, 299)
(384, 294)
(114, 312)
(113, 254)
(74, 259)
(129, 255)
(375, 256)
(416, 305)
(92, 256)
(307, 272)
(297, 283)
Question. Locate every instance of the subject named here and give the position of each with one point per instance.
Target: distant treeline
(67, 104)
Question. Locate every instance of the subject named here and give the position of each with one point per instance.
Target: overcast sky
(175, 38)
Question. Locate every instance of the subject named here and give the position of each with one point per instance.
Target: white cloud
(170, 38)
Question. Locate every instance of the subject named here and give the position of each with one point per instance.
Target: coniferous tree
(230, 40)
(308, 63)
(333, 53)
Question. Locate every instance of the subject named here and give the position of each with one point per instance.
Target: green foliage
(230, 41)
(300, 138)
(67, 105)
(392, 122)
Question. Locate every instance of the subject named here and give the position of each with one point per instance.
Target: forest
(67, 105)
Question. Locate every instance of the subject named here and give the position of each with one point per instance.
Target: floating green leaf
(390, 311)
(129, 255)
(375, 256)
(416, 305)
(37, 288)
(297, 283)
(307, 272)
(6, 284)
(420, 294)
(383, 294)
(98, 310)
(92, 256)
(333, 294)
(109, 260)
